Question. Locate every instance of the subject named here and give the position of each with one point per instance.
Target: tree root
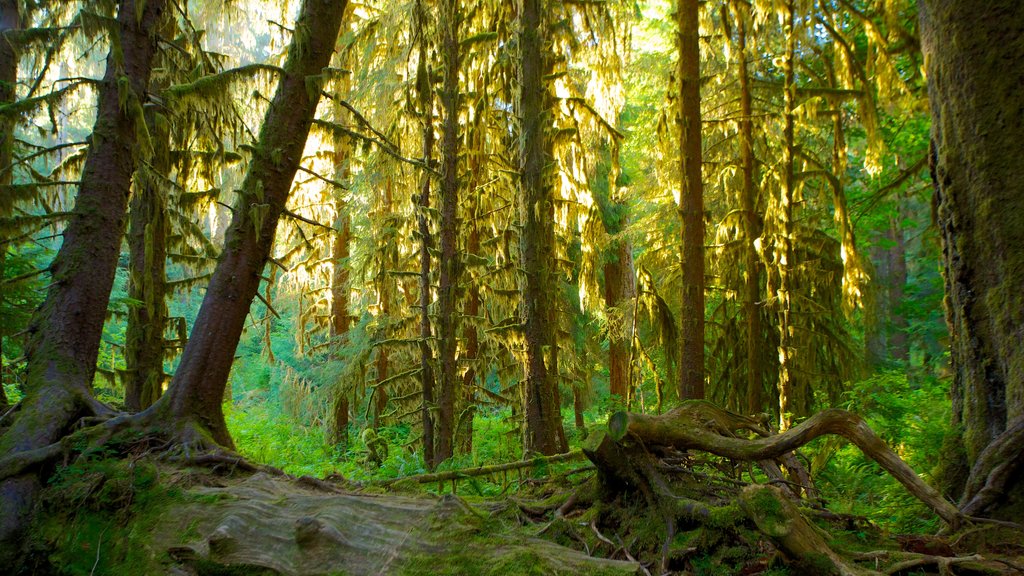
(699, 425)
(184, 442)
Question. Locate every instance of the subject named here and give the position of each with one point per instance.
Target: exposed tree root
(699, 425)
(696, 512)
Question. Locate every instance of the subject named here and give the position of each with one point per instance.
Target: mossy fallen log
(700, 425)
(139, 517)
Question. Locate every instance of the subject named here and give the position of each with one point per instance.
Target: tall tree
(448, 22)
(783, 258)
(10, 21)
(975, 59)
(197, 390)
(751, 217)
(536, 210)
(425, 96)
(65, 331)
(341, 319)
(691, 203)
(147, 280)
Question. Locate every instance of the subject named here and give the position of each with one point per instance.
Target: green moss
(817, 563)
(98, 517)
(726, 516)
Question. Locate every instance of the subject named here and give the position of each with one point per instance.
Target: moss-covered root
(779, 519)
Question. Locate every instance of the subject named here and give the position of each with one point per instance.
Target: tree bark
(147, 276)
(752, 225)
(619, 291)
(975, 60)
(64, 335)
(197, 391)
(340, 252)
(425, 94)
(536, 209)
(10, 20)
(789, 401)
(691, 204)
(450, 263)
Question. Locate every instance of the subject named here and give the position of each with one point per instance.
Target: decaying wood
(482, 470)
(703, 426)
(269, 522)
(778, 518)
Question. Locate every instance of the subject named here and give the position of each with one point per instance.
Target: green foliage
(911, 415)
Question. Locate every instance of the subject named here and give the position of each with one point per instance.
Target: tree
(974, 56)
(65, 331)
(536, 210)
(425, 96)
(448, 22)
(194, 400)
(10, 21)
(691, 204)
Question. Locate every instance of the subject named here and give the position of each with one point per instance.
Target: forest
(653, 287)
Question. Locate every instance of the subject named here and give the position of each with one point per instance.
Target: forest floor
(125, 511)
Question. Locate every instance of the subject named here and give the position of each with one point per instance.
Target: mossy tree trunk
(691, 204)
(64, 335)
(10, 20)
(425, 97)
(751, 221)
(536, 208)
(974, 52)
(147, 274)
(341, 320)
(789, 400)
(197, 390)
(448, 22)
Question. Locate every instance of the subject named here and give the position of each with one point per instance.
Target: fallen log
(481, 470)
(701, 425)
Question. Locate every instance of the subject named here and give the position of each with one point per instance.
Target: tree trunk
(471, 310)
(450, 264)
(619, 291)
(752, 227)
(64, 335)
(975, 59)
(543, 417)
(197, 390)
(425, 94)
(147, 275)
(340, 252)
(789, 400)
(691, 204)
(10, 20)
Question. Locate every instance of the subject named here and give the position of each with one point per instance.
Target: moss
(728, 516)
(816, 563)
(98, 517)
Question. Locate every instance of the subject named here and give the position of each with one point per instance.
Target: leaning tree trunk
(691, 204)
(64, 335)
(543, 417)
(197, 390)
(975, 59)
